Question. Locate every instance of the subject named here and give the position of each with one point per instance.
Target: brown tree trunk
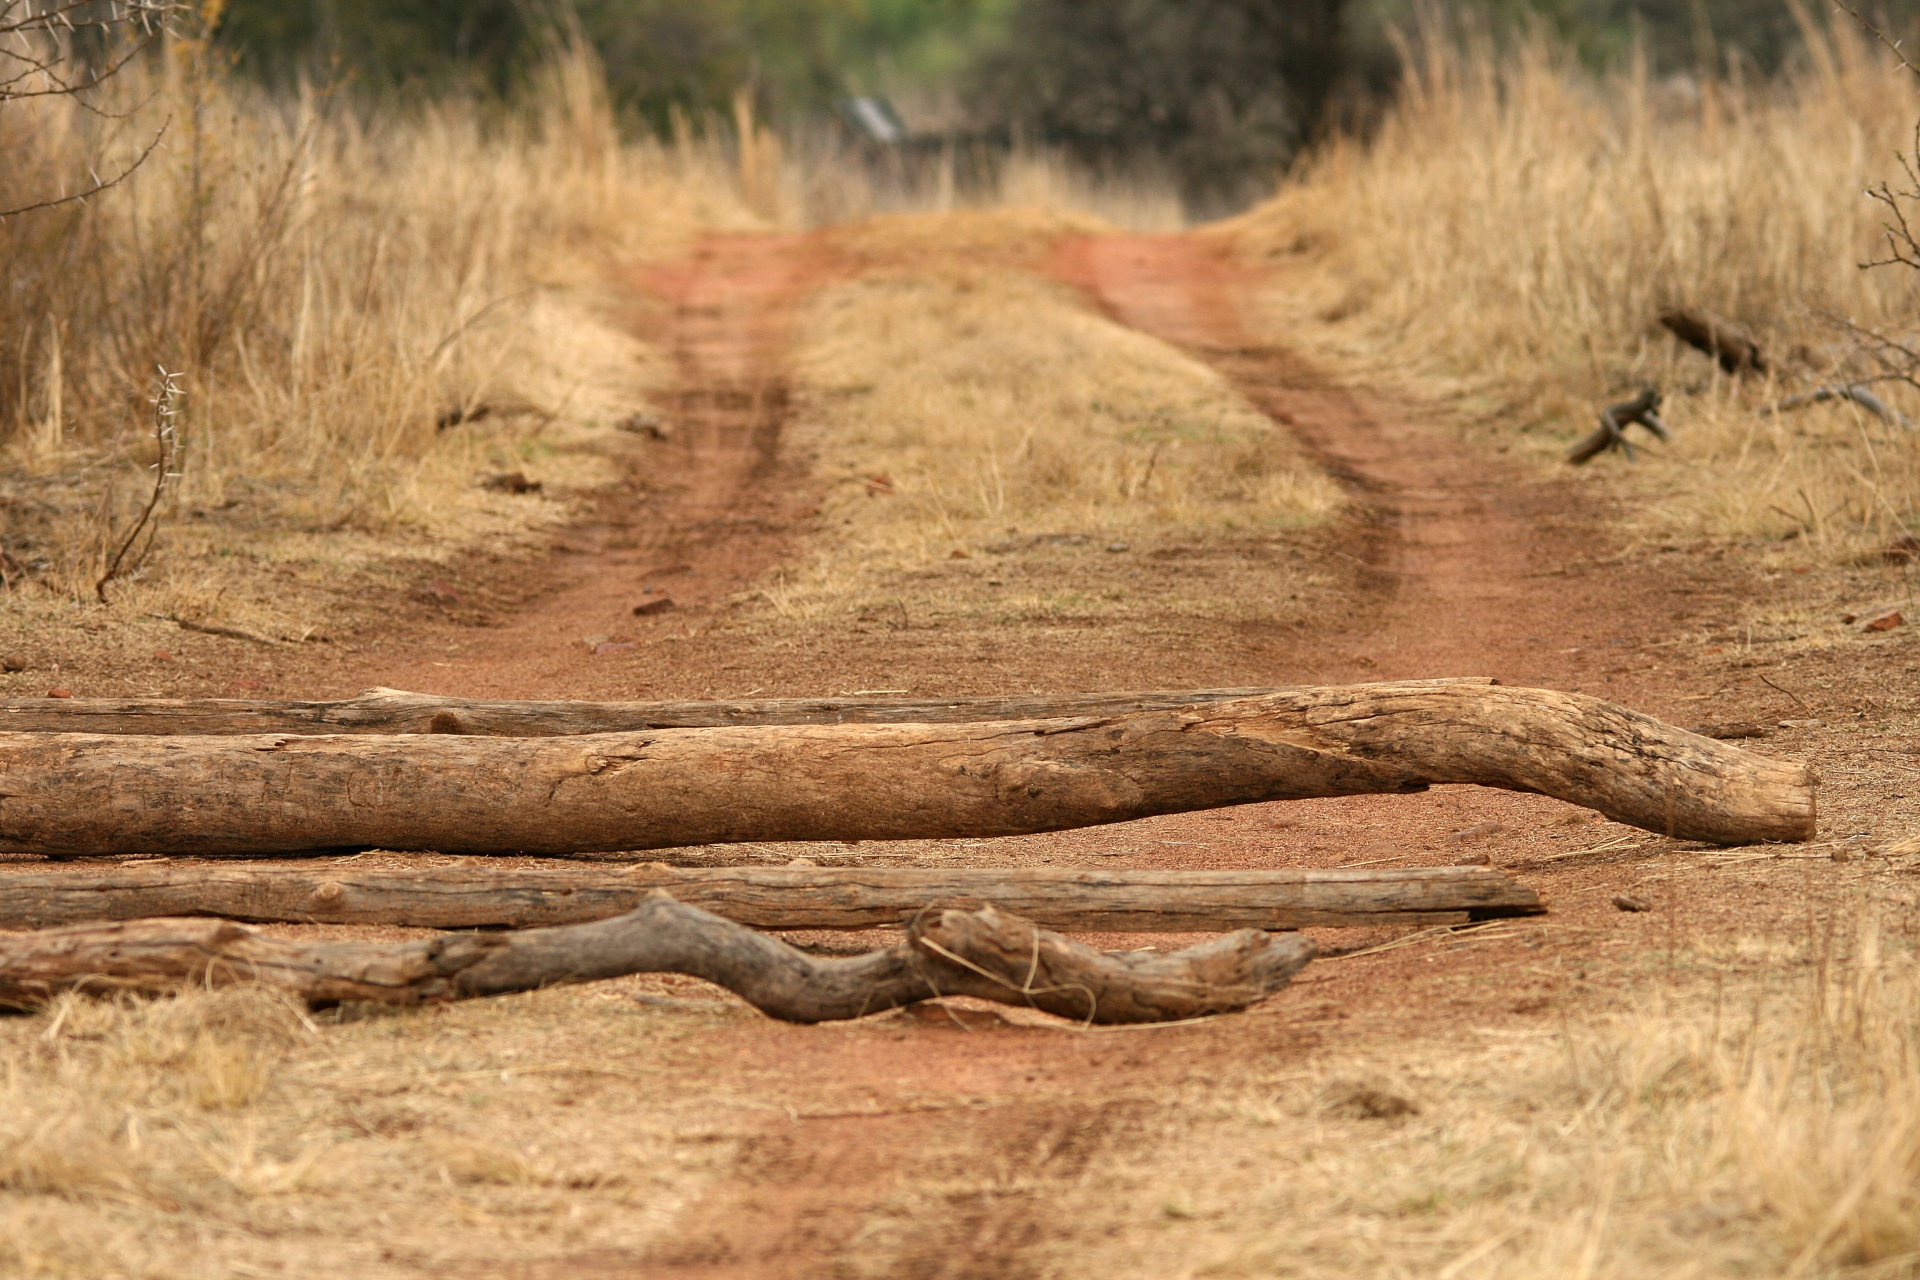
(983, 953)
(764, 897)
(396, 711)
(74, 794)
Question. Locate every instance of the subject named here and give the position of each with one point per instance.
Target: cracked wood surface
(77, 794)
(985, 953)
(397, 711)
(764, 897)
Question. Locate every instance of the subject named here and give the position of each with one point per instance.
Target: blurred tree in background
(1219, 91)
(796, 55)
(1218, 94)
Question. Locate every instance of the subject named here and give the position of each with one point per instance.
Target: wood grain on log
(984, 953)
(386, 711)
(76, 794)
(764, 897)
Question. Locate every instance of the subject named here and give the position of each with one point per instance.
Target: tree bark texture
(764, 897)
(75, 794)
(386, 711)
(984, 953)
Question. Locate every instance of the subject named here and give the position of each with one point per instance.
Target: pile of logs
(403, 772)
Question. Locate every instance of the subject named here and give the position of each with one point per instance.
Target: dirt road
(944, 1143)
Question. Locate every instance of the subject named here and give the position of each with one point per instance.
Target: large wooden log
(396, 711)
(764, 897)
(74, 794)
(984, 953)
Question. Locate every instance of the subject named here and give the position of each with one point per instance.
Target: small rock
(1843, 854)
(652, 607)
(958, 554)
(162, 655)
(1116, 546)
(13, 664)
(511, 482)
(1803, 724)
(1627, 902)
(1730, 732)
(1884, 622)
(61, 692)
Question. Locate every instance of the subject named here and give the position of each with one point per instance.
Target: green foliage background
(797, 55)
(1215, 93)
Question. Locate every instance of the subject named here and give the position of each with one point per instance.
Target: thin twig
(1881, 36)
(97, 187)
(166, 434)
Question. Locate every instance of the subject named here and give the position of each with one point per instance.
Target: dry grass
(1510, 235)
(1753, 1110)
(229, 1133)
(961, 408)
(330, 286)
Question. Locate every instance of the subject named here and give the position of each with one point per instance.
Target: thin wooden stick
(764, 897)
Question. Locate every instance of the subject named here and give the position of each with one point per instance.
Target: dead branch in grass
(987, 954)
(1643, 410)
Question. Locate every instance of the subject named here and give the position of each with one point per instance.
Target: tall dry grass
(1515, 226)
(329, 282)
(1754, 1113)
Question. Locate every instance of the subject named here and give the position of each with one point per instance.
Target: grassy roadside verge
(375, 322)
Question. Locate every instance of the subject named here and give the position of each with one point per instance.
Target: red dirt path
(1473, 569)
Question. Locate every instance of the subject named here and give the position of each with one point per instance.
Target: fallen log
(1729, 343)
(763, 897)
(392, 711)
(67, 795)
(986, 953)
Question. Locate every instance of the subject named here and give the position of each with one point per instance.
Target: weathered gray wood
(385, 711)
(76, 794)
(1859, 393)
(984, 953)
(764, 897)
(1643, 409)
